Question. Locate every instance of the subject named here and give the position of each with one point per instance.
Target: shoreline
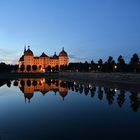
(126, 81)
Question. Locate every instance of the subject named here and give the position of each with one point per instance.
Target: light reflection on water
(55, 109)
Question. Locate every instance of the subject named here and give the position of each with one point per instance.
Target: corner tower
(63, 58)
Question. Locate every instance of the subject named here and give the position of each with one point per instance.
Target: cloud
(76, 58)
(9, 56)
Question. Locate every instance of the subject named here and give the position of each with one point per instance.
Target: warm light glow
(115, 67)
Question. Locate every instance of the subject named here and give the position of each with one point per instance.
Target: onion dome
(44, 92)
(28, 52)
(21, 58)
(43, 55)
(63, 93)
(28, 96)
(63, 53)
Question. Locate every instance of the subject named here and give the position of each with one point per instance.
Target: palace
(30, 63)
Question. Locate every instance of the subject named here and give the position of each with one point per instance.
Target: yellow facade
(42, 62)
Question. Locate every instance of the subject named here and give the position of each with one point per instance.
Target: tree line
(108, 66)
(7, 67)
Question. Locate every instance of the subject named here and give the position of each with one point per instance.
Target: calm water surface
(42, 109)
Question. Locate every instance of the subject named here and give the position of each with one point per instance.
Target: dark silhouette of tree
(15, 83)
(34, 67)
(93, 90)
(63, 67)
(22, 67)
(86, 67)
(28, 68)
(100, 93)
(48, 69)
(109, 95)
(100, 64)
(80, 88)
(9, 83)
(134, 62)
(53, 69)
(56, 68)
(92, 62)
(121, 98)
(135, 102)
(121, 64)
(110, 59)
(15, 67)
(86, 90)
(93, 66)
(110, 64)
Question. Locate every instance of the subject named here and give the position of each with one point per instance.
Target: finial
(54, 53)
(63, 48)
(28, 47)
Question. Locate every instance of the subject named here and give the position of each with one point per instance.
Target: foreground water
(44, 109)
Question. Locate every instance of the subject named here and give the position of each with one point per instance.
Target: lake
(53, 109)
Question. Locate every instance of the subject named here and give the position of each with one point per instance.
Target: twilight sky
(88, 29)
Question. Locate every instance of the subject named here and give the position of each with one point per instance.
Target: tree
(28, 68)
(34, 67)
(48, 69)
(121, 64)
(62, 67)
(9, 83)
(100, 64)
(86, 66)
(15, 83)
(110, 64)
(110, 59)
(22, 67)
(56, 68)
(134, 62)
(15, 67)
(53, 69)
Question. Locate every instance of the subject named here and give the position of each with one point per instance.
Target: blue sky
(88, 29)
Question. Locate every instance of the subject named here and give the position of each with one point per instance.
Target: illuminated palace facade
(29, 62)
(30, 85)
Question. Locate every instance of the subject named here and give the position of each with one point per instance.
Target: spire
(54, 53)
(62, 48)
(25, 48)
(28, 47)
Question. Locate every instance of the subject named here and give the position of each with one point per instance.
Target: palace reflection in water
(30, 86)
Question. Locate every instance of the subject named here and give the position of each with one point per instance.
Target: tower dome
(28, 52)
(63, 53)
